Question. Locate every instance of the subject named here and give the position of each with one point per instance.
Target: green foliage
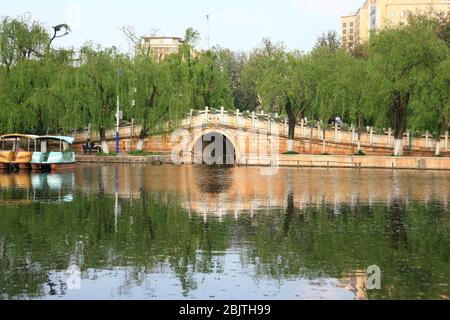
(61, 90)
(400, 79)
(404, 61)
(241, 77)
(143, 153)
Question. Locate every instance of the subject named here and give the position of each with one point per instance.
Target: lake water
(145, 232)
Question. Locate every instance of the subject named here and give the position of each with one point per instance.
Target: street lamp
(119, 114)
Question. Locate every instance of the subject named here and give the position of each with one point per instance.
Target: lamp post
(117, 125)
(118, 113)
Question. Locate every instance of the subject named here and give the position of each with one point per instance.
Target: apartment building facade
(375, 14)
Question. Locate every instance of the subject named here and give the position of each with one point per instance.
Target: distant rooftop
(160, 37)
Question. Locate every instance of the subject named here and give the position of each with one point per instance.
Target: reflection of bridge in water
(224, 190)
(221, 190)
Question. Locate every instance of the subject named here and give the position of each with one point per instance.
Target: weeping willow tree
(152, 86)
(22, 45)
(70, 97)
(29, 68)
(431, 106)
(104, 74)
(164, 91)
(161, 92)
(441, 105)
(213, 81)
(338, 87)
(403, 59)
(21, 40)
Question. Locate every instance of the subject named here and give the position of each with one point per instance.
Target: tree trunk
(206, 99)
(359, 125)
(290, 212)
(291, 145)
(150, 103)
(104, 143)
(398, 147)
(398, 120)
(292, 123)
(142, 136)
(359, 141)
(140, 144)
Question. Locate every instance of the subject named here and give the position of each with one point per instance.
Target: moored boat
(17, 151)
(55, 154)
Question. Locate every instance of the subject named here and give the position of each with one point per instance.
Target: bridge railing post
(191, 117)
(335, 132)
(446, 139)
(353, 133)
(371, 136)
(206, 114)
(389, 137)
(408, 137)
(253, 119)
(222, 115)
(237, 118)
(302, 127)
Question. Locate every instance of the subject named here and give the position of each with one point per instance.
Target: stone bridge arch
(229, 134)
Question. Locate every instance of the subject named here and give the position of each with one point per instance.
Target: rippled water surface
(144, 232)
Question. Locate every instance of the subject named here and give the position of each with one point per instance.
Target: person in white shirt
(339, 122)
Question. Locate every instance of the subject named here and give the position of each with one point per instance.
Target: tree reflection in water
(156, 235)
(397, 223)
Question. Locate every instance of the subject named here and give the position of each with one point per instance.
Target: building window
(373, 17)
(344, 31)
(351, 24)
(351, 30)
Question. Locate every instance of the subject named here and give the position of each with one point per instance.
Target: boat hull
(53, 166)
(22, 166)
(15, 160)
(4, 166)
(15, 166)
(53, 161)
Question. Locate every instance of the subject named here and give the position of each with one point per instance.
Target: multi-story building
(348, 30)
(160, 47)
(375, 14)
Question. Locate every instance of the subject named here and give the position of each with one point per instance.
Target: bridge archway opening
(214, 148)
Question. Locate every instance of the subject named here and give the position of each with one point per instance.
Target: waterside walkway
(319, 161)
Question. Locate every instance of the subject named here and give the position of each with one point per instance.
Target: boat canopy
(69, 140)
(17, 135)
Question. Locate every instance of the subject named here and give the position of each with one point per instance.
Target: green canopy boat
(55, 154)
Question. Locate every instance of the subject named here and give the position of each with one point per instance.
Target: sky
(234, 24)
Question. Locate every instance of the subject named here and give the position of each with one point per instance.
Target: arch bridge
(237, 134)
(235, 137)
